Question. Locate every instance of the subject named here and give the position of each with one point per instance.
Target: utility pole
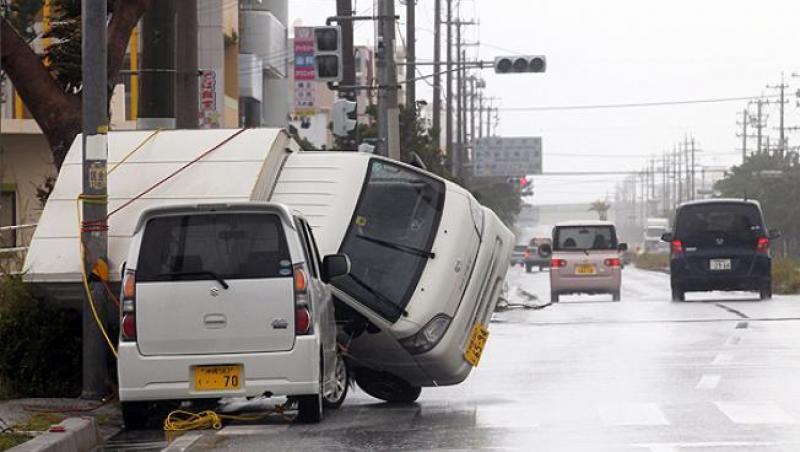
(782, 103)
(744, 136)
(664, 186)
(186, 89)
(411, 56)
(693, 180)
(157, 78)
(94, 229)
(472, 109)
(679, 174)
(480, 114)
(759, 124)
(437, 77)
(458, 151)
(449, 95)
(388, 111)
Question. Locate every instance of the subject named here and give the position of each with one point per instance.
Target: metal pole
(344, 8)
(157, 105)
(457, 151)
(449, 92)
(411, 56)
(95, 157)
(186, 90)
(437, 79)
(388, 112)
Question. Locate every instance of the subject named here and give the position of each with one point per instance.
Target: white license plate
(719, 264)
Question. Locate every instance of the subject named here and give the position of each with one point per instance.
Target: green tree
(602, 208)
(49, 84)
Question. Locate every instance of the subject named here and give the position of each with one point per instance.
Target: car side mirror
(545, 248)
(335, 265)
(623, 247)
(667, 237)
(774, 234)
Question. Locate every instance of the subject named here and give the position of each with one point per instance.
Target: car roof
(584, 223)
(701, 202)
(281, 210)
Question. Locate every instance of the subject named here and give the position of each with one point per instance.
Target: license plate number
(477, 341)
(217, 378)
(585, 269)
(719, 264)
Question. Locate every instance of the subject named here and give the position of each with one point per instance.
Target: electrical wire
(633, 105)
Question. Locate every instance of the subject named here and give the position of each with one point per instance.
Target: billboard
(505, 157)
(304, 75)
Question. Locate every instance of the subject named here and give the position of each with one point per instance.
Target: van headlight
(427, 338)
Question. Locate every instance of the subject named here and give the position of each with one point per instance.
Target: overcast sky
(623, 51)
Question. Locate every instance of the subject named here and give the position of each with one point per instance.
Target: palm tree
(601, 207)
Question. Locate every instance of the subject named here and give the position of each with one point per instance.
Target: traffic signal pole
(94, 238)
(388, 111)
(344, 8)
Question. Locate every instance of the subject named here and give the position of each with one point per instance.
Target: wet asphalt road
(721, 373)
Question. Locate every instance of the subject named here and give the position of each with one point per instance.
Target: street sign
(506, 157)
(304, 72)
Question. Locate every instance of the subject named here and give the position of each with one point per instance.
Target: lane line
(628, 414)
(708, 382)
(722, 359)
(755, 413)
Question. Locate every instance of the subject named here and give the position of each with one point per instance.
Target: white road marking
(708, 382)
(632, 414)
(733, 340)
(235, 430)
(755, 413)
(183, 443)
(722, 359)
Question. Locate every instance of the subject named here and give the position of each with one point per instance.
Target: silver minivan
(227, 300)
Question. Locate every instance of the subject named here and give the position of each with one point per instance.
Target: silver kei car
(586, 259)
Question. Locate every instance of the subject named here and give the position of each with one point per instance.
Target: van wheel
(678, 294)
(135, 414)
(553, 297)
(386, 386)
(615, 296)
(334, 396)
(528, 268)
(766, 292)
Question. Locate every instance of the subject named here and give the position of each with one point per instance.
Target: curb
(80, 435)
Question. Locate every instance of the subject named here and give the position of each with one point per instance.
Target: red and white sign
(304, 74)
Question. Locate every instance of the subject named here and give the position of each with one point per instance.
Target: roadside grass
(38, 422)
(10, 439)
(785, 276)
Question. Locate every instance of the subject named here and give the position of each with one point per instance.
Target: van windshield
(211, 246)
(731, 224)
(390, 237)
(582, 238)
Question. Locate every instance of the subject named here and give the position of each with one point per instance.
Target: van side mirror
(667, 237)
(335, 265)
(774, 234)
(545, 249)
(623, 247)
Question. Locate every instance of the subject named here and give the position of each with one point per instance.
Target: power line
(632, 105)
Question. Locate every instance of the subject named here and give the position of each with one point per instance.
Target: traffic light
(345, 117)
(521, 184)
(328, 54)
(520, 64)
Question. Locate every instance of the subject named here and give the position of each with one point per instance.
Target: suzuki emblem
(214, 292)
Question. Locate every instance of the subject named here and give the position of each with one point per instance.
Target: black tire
(616, 296)
(766, 292)
(528, 268)
(334, 397)
(541, 269)
(553, 297)
(135, 414)
(386, 386)
(678, 294)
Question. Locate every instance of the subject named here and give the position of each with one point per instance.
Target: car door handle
(215, 321)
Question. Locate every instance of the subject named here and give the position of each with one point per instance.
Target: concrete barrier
(79, 435)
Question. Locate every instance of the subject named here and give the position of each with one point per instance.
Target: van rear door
(186, 260)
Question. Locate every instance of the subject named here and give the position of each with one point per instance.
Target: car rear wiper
(214, 275)
(398, 247)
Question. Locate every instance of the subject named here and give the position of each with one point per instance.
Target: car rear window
(568, 238)
(206, 246)
(706, 224)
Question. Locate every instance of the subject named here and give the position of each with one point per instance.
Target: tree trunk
(58, 113)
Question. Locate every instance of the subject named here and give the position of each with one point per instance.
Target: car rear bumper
(294, 372)
(539, 262)
(566, 284)
(687, 279)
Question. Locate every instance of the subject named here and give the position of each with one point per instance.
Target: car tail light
(677, 247)
(613, 262)
(558, 263)
(762, 246)
(303, 323)
(128, 320)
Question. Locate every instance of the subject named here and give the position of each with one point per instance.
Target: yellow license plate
(217, 378)
(477, 340)
(585, 269)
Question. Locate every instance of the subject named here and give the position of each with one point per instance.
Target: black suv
(720, 244)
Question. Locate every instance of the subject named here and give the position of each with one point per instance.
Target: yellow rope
(181, 420)
(129, 154)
